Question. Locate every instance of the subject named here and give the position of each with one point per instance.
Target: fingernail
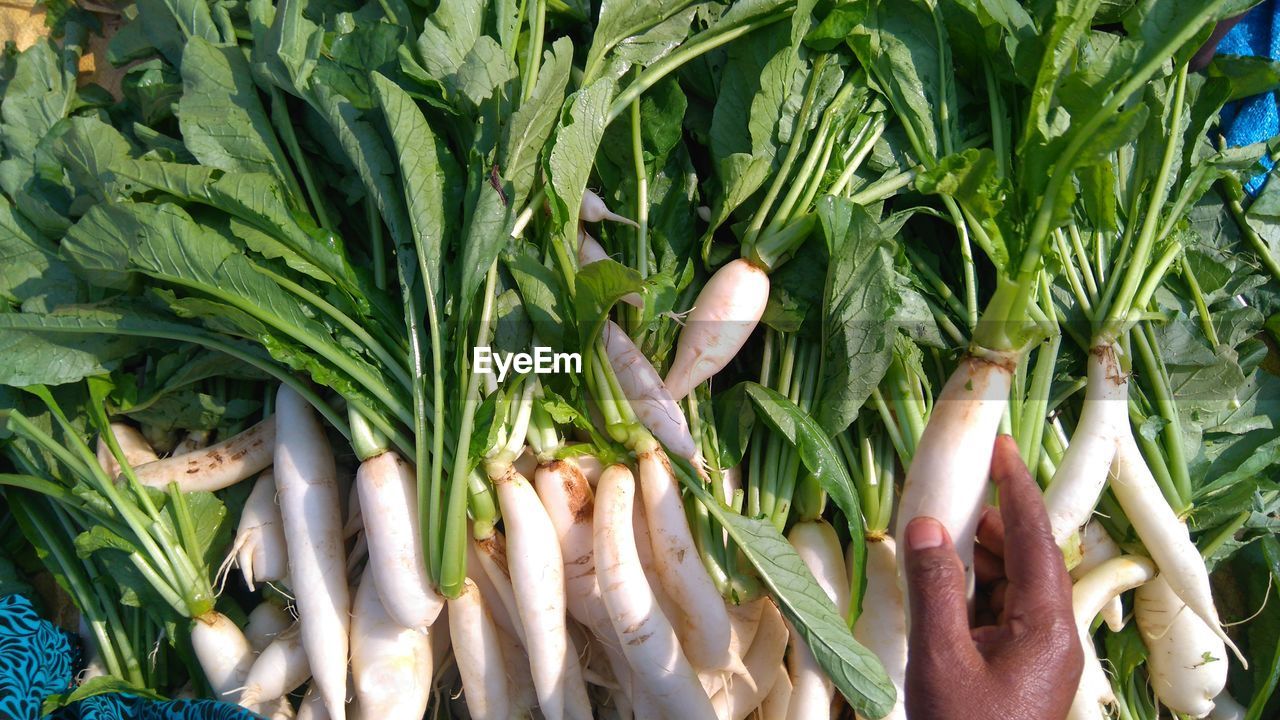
(924, 533)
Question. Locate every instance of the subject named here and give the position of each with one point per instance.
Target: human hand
(1023, 661)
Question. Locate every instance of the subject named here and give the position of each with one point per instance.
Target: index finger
(1032, 561)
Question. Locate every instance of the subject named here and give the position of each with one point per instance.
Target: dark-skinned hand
(1021, 658)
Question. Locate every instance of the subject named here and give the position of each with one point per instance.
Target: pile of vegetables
(802, 260)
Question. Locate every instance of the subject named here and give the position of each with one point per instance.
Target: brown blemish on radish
(576, 490)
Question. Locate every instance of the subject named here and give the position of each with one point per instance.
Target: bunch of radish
(849, 245)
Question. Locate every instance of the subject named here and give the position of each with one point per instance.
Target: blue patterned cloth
(128, 707)
(38, 660)
(35, 659)
(1254, 119)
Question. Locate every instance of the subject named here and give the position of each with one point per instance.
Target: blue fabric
(38, 660)
(1254, 119)
(35, 659)
(128, 707)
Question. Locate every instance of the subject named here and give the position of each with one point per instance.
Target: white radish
(1097, 547)
(306, 482)
(278, 709)
(570, 505)
(590, 251)
(515, 668)
(354, 518)
(763, 661)
(593, 209)
(1089, 595)
(217, 466)
(162, 440)
(389, 500)
(312, 706)
(947, 479)
(537, 576)
(648, 639)
(1164, 535)
(1082, 474)
(195, 440)
(266, 621)
(778, 701)
(744, 622)
(477, 653)
(723, 316)
(713, 684)
(643, 705)
(259, 549)
(882, 626)
(490, 555)
(1186, 660)
(520, 680)
(279, 669)
(1225, 707)
(527, 462)
(94, 666)
(137, 451)
(644, 550)
(648, 396)
(223, 653)
(704, 628)
(818, 546)
(391, 665)
(591, 468)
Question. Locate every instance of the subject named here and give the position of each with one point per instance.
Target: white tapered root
(307, 487)
(778, 701)
(223, 652)
(137, 451)
(723, 317)
(1186, 660)
(388, 496)
(644, 389)
(648, 639)
(1165, 536)
(1089, 595)
(818, 546)
(259, 549)
(593, 209)
(537, 577)
(391, 666)
(947, 479)
(882, 626)
(763, 661)
(704, 622)
(279, 669)
(1097, 547)
(217, 466)
(1078, 482)
(266, 621)
(476, 652)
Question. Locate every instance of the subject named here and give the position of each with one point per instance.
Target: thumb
(937, 590)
